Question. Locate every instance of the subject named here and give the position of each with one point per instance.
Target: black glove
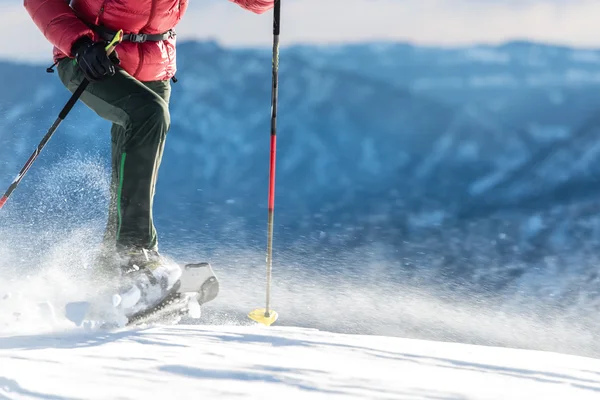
(92, 59)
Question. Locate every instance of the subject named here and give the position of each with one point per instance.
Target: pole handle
(110, 48)
(277, 17)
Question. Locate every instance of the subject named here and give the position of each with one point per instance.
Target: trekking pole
(265, 315)
(61, 116)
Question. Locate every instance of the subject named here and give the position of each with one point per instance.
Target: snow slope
(222, 362)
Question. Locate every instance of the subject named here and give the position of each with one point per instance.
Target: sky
(427, 22)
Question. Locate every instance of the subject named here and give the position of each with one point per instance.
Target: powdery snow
(250, 362)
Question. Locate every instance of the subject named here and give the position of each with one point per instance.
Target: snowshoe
(197, 286)
(151, 291)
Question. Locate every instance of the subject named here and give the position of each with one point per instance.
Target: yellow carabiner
(114, 42)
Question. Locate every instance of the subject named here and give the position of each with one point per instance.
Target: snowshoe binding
(147, 279)
(197, 286)
(151, 289)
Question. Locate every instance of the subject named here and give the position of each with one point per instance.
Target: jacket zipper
(152, 10)
(100, 12)
(140, 50)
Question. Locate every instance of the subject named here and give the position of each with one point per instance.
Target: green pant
(139, 112)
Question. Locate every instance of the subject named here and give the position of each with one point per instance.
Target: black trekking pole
(45, 140)
(61, 116)
(267, 316)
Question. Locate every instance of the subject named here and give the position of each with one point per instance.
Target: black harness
(108, 34)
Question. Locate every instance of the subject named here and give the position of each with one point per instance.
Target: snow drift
(223, 362)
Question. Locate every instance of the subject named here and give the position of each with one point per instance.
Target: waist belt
(107, 34)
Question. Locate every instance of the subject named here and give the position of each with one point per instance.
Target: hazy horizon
(440, 23)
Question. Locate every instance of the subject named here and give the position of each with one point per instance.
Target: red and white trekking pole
(61, 116)
(265, 315)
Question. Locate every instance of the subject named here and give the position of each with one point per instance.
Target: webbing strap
(107, 34)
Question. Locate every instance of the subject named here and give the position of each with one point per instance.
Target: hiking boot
(146, 279)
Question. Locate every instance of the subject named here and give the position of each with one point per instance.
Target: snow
(216, 361)
(222, 362)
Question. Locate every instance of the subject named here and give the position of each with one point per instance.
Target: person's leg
(140, 116)
(110, 233)
(118, 133)
(163, 90)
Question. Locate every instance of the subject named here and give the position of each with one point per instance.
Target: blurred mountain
(378, 143)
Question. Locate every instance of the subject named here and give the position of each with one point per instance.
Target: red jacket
(62, 24)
